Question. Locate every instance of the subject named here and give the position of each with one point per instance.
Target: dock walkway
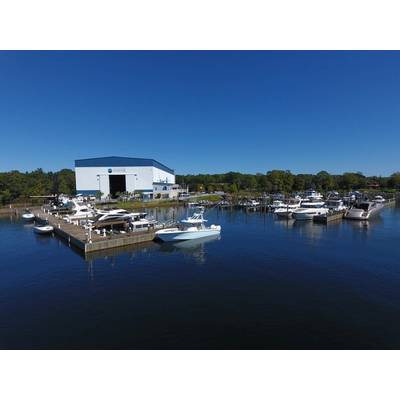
(79, 237)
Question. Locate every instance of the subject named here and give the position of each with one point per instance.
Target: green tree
(394, 180)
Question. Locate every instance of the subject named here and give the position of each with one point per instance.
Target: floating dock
(88, 242)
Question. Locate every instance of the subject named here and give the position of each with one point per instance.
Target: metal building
(112, 175)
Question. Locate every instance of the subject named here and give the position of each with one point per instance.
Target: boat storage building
(111, 175)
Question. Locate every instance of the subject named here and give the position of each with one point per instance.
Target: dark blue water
(265, 284)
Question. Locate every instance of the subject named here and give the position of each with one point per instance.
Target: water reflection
(195, 248)
(131, 251)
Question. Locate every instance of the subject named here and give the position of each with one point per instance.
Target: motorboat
(307, 213)
(249, 203)
(379, 199)
(286, 210)
(116, 215)
(335, 205)
(28, 216)
(364, 210)
(192, 227)
(278, 196)
(142, 224)
(253, 203)
(277, 204)
(313, 195)
(312, 204)
(79, 211)
(332, 194)
(43, 229)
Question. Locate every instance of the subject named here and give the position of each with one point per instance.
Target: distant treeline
(285, 181)
(15, 185)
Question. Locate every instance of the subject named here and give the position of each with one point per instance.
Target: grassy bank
(140, 205)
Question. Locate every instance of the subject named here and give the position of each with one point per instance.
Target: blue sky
(203, 112)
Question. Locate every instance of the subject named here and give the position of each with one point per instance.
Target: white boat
(364, 210)
(79, 211)
(287, 209)
(309, 212)
(277, 204)
(250, 203)
(379, 199)
(143, 224)
(284, 212)
(28, 216)
(192, 228)
(43, 229)
(116, 215)
(335, 205)
(253, 203)
(312, 204)
(313, 195)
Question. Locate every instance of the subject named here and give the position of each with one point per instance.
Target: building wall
(160, 175)
(87, 178)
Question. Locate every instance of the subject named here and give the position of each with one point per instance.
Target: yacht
(192, 227)
(307, 211)
(364, 210)
(287, 209)
(335, 205)
(79, 211)
(249, 203)
(379, 199)
(118, 215)
(312, 204)
(253, 203)
(142, 224)
(277, 204)
(313, 195)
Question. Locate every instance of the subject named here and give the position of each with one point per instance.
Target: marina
(295, 276)
(89, 229)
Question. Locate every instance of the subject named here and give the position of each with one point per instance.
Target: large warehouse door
(117, 184)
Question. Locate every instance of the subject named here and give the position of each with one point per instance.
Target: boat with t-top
(192, 227)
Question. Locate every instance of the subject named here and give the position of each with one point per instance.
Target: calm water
(265, 284)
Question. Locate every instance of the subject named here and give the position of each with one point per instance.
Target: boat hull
(283, 213)
(362, 215)
(28, 217)
(172, 235)
(43, 230)
(308, 215)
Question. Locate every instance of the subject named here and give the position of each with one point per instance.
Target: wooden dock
(79, 237)
(324, 219)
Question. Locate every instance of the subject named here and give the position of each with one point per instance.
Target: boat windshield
(364, 206)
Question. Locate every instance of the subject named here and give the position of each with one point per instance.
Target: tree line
(286, 182)
(15, 185)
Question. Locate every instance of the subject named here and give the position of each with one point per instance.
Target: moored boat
(28, 216)
(43, 229)
(364, 210)
(308, 213)
(379, 199)
(286, 210)
(335, 205)
(191, 228)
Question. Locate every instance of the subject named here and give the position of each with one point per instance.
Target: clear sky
(203, 112)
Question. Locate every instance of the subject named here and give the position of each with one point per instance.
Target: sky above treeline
(203, 112)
